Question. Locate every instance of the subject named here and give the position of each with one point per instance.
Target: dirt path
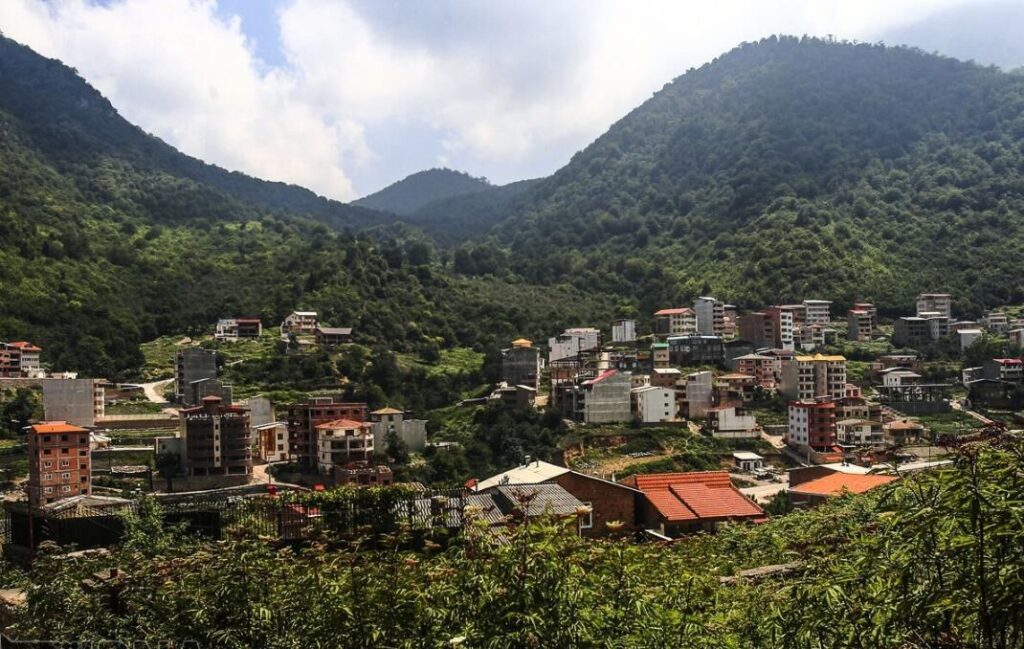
(155, 391)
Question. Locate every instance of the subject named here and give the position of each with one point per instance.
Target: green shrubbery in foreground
(931, 561)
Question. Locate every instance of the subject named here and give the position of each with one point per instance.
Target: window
(47, 476)
(48, 490)
(66, 488)
(47, 464)
(65, 463)
(63, 438)
(46, 451)
(587, 522)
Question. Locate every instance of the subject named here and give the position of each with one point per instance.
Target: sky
(347, 96)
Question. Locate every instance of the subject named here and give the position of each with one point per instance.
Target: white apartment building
(572, 341)
(654, 404)
(817, 311)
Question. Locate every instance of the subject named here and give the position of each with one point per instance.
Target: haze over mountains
(784, 169)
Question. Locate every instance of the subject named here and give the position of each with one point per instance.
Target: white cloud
(176, 69)
(506, 89)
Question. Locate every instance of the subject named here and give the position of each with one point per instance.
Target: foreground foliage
(933, 561)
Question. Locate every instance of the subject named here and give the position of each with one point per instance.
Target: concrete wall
(70, 400)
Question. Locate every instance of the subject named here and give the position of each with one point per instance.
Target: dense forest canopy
(793, 168)
(784, 169)
(109, 237)
(408, 195)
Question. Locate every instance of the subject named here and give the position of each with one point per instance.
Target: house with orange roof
(675, 322)
(819, 490)
(19, 359)
(342, 442)
(683, 503)
(59, 462)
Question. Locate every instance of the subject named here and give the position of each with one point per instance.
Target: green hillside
(789, 168)
(109, 237)
(413, 192)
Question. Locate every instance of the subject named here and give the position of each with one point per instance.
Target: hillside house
(231, 329)
(299, 323)
(609, 502)
(656, 404)
(675, 504)
(332, 336)
(679, 321)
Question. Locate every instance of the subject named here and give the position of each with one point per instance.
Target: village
(800, 406)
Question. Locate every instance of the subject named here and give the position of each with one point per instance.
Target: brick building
(303, 418)
(812, 424)
(59, 462)
(610, 502)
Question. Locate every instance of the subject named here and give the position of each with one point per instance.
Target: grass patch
(949, 423)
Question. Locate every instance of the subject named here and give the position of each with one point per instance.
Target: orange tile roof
(836, 483)
(696, 495)
(680, 311)
(25, 346)
(57, 427)
(343, 423)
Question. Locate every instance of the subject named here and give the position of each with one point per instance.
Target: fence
(283, 519)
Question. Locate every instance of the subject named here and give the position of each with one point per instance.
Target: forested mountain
(467, 216)
(791, 168)
(109, 237)
(75, 130)
(411, 193)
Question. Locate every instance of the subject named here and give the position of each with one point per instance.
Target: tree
(18, 411)
(398, 450)
(168, 465)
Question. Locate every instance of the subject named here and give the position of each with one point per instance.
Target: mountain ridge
(406, 196)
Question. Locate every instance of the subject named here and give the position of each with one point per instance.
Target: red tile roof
(696, 495)
(836, 483)
(57, 427)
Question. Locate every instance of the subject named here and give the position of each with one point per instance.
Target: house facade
(59, 462)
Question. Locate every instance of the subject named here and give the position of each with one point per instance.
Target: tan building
(941, 303)
(59, 463)
(811, 377)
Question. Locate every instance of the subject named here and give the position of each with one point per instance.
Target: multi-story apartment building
(216, 439)
(303, 418)
(659, 355)
(696, 349)
(911, 330)
(942, 303)
(19, 359)
(59, 462)
(997, 322)
(766, 370)
(656, 404)
(192, 364)
(817, 311)
(784, 321)
(79, 402)
(860, 432)
(813, 377)
(699, 393)
(675, 322)
(812, 423)
(606, 398)
(860, 323)
(1004, 369)
(710, 316)
(521, 364)
(1016, 337)
(571, 342)
(342, 442)
(623, 330)
(757, 328)
(810, 336)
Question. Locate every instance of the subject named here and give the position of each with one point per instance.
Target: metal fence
(274, 518)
